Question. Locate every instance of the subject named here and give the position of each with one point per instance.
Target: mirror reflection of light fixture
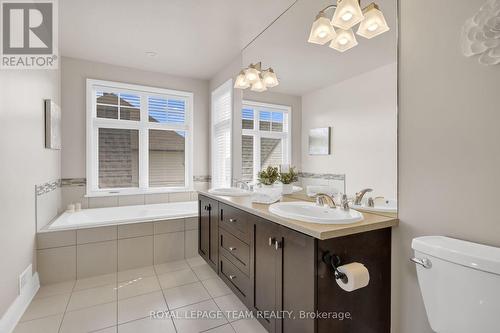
(321, 31)
(256, 78)
(374, 23)
(344, 40)
(347, 14)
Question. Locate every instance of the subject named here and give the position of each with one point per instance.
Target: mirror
(354, 92)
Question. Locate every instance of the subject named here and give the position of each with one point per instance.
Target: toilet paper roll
(357, 276)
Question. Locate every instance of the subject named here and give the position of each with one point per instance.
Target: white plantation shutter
(222, 109)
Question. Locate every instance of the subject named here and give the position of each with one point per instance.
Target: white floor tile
(95, 281)
(136, 273)
(248, 326)
(232, 307)
(90, 297)
(140, 306)
(216, 287)
(196, 261)
(138, 287)
(46, 325)
(171, 266)
(177, 278)
(89, 319)
(185, 295)
(184, 324)
(55, 289)
(46, 306)
(221, 329)
(204, 272)
(148, 325)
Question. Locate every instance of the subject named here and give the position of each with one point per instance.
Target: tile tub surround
(84, 253)
(74, 190)
(122, 302)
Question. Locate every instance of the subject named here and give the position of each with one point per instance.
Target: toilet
(460, 284)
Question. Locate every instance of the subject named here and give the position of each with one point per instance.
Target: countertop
(319, 231)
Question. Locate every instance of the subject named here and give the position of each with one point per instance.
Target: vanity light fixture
(256, 78)
(347, 14)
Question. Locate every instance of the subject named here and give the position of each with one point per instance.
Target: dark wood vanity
(279, 273)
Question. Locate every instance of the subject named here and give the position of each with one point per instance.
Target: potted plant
(268, 176)
(287, 178)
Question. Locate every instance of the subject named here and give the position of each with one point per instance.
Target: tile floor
(121, 303)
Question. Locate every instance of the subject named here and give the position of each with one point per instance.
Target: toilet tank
(461, 288)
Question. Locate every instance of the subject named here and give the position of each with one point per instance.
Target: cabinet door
(266, 270)
(204, 227)
(213, 253)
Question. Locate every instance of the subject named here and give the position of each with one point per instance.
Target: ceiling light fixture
(347, 14)
(256, 78)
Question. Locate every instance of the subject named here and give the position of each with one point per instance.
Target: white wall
(74, 74)
(24, 163)
(295, 102)
(362, 112)
(449, 153)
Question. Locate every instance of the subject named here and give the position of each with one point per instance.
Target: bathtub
(97, 217)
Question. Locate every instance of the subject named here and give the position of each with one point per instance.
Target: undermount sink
(387, 206)
(312, 213)
(230, 192)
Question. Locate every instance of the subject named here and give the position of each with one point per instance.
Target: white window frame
(257, 134)
(228, 85)
(143, 126)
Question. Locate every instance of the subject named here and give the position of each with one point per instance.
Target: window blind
(221, 135)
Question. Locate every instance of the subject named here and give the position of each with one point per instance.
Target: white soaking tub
(96, 217)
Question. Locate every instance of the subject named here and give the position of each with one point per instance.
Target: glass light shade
(344, 40)
(347, 14)
(269, 78)
(321, 30)
(252, 74)
(259, 85)
(241, 82)
(374, 23)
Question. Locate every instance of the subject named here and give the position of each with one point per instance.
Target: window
(222, 109)
(139, 139)
(265, 137)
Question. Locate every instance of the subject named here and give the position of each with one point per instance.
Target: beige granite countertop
(319, 231)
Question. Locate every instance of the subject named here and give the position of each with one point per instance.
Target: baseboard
(16, 310)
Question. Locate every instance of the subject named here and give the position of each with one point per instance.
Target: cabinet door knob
(232, 249)
(232, 277)
(271, 241)
(232, 220)
(277, 245)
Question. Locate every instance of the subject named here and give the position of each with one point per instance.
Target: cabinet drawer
(235, 279)
(235, 221)
(235, 251)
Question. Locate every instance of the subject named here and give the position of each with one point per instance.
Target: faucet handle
(345, 202)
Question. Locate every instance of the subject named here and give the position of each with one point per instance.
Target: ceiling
(192, 38)
(302, 67)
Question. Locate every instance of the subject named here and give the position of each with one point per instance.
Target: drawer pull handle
(232, 249)
(232, 220)
(232, 277)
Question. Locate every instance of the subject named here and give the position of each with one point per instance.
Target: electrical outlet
(25, 278)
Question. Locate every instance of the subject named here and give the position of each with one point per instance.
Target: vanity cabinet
(279, 273)
(208, 231)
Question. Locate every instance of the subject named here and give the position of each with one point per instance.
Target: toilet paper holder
(334, 261)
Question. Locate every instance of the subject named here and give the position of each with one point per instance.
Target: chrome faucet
(360, 194)
(244, 185)
(323, 199)
(345, 203)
